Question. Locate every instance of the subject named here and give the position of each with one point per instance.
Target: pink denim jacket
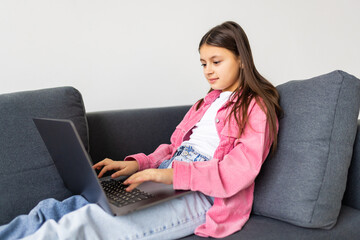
(229, 176)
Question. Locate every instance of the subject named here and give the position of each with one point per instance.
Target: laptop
(75, 168)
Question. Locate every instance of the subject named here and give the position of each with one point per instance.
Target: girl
(216, 151)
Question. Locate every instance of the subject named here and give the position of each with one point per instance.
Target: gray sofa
(308, 190)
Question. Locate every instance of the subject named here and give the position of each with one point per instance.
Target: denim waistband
(184, 153)
(185, 150)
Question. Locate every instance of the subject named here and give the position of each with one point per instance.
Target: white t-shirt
(204, 137)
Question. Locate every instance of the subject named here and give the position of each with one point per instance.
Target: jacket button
(217, 120)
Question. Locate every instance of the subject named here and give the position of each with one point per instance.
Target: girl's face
(221, 67)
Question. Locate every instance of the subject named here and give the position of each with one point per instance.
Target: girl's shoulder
(257, 104)
(256, 109)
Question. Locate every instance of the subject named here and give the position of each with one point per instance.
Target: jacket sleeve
(154, 159)
(164, 151)
(238, 169)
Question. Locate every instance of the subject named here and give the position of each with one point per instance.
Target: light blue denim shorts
(184, 153)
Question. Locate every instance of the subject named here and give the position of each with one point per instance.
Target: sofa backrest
(119, 133)
(352, 194)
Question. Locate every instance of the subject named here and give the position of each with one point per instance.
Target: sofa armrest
(119, 133)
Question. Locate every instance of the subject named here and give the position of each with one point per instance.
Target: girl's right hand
(123, 168)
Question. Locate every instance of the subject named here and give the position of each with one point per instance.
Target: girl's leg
(169, 220)
(24, 225)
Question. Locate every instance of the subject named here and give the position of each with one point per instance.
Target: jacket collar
(213, 95)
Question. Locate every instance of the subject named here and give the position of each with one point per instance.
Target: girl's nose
(208, 70)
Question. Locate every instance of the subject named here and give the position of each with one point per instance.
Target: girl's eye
(203, 65)
(216, 62)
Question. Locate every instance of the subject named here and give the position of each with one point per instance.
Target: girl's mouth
(212, 80)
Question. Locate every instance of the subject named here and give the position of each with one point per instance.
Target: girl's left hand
(154, 175)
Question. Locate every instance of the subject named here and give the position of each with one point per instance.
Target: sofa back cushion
(304, 182)
(27, 172)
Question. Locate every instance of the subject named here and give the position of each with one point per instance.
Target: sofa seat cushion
(27, 172)
(304, 182)
(264, 228)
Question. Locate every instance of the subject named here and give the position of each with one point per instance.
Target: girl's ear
(241, 65)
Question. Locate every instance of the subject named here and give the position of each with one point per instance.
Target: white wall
(143, 53)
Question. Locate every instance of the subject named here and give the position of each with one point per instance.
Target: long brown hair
(252, 85)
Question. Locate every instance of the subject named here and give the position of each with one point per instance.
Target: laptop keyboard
(116, 193)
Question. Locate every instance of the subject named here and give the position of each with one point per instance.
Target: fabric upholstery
(126, 132)
(264, 228)
(352, 194)
(304, 182)
(27, 172)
